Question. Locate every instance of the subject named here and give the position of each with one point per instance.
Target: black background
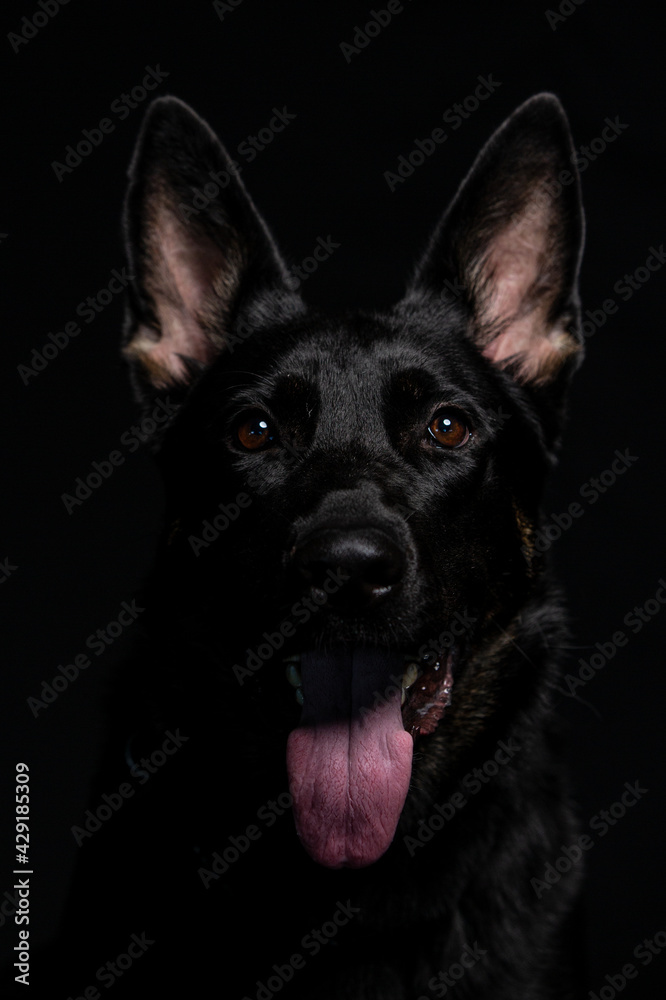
(323, 176)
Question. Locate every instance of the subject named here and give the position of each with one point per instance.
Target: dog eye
(256, 432)
(447, 429)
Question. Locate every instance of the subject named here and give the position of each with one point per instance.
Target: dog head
(379, 474)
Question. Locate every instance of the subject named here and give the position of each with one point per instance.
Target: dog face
(383, 472)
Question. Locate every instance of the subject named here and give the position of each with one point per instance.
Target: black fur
(434, 548)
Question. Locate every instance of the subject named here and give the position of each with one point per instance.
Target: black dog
(352, 501)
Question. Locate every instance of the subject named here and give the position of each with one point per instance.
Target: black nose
(354, 568)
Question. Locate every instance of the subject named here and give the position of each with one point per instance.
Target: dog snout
(354, 568)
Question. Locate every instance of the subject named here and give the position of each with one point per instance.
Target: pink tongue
(350, 759)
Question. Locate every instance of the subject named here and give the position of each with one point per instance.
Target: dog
(338, 735)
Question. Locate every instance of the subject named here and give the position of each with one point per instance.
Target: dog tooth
(410, 675)
(403, 698)
(293, 675)
(299, 696)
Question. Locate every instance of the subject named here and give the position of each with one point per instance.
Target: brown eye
(447, 429)
(255, 432)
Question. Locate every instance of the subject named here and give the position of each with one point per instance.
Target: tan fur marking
(526, 531)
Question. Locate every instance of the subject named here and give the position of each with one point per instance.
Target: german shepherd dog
(337, 739)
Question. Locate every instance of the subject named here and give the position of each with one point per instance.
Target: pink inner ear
(190, 263)
(514, 260)
(163, 354)
(518, 293)
(537, 354)
(182, 282)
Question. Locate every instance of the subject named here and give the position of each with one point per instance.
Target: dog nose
(354, 569)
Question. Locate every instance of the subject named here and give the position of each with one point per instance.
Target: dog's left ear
(510, 245)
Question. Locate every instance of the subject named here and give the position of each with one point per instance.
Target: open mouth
(349, 759)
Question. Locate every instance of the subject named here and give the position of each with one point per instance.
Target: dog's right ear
(196, 247)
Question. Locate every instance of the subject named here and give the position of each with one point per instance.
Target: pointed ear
(197, 248)
(510, 244)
